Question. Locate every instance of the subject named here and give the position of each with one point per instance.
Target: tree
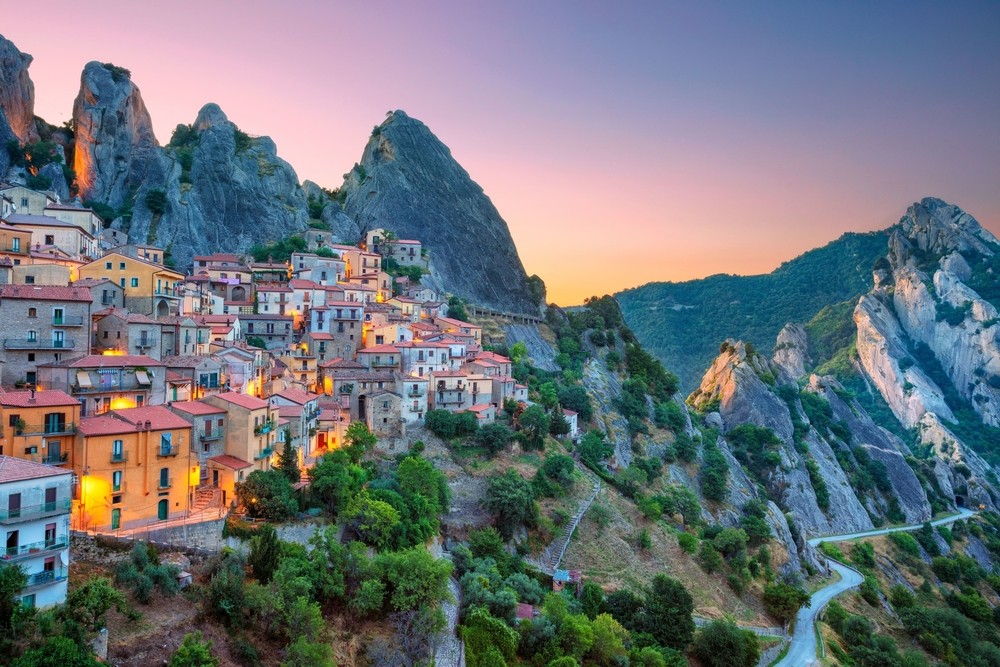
(609, 641)
(194, 651)
(441, 423)
(511, 499)
(488, 640)
(725, 644)
(548, 395)
(493, 437)
(558, 424)
(91, 601)
(358, 440)
(456, 309)
(265, 553)
(518, 351)
(12, 582)
(57, 651)
(418, 477)
(574, 397)
(335, 480)
(667, 613)
(594, 448)
(783, 601)
(288, 460)
(304, 653)
(592, 599)
(375, 521)
(534, 424)
(414, 578)
(267, 494)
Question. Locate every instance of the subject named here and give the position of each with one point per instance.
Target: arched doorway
(239, 293)
(162, 308)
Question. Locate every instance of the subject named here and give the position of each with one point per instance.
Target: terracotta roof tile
(14, 470)
(29, 399)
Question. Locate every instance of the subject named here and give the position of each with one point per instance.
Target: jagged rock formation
(791, 351)
(17, 95)
(741, 382)
(115, 143)
(224, 191)
(343, 227)
(921, 298)
(408, 182)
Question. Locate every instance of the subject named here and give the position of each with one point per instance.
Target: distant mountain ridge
(684, 323)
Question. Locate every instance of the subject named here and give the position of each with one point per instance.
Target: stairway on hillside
(206, 498)
(554, 552)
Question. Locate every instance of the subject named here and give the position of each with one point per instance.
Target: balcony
(264, 428)
(210, 436)
(33, 549)
(119, 387)
(264, 454)
(52, 428)
(120, 457)
(46, 577)
(166, 450)
(57, 459)
(165, 483)
(415, 393)
(66, 321)
(34, 511)
(38, 344)
(169, 293)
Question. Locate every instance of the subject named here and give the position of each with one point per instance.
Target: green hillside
(684, 323)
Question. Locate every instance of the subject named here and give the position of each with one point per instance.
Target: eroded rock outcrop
(408, 182)
(224, 191)
(115, 144)
(17, 94)
(791, 350)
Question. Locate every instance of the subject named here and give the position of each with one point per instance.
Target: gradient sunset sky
(623, 144)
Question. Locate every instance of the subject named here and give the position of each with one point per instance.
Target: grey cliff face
(225, 192)
(791, 351)
(115, 144)
(409, 183)
(17, 95)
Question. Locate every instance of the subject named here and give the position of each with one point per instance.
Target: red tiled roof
(297, 396)
(288, 411)
(480, 407)
(104, 425)
(107, 361)
(197, 408)
(159, 417)
(229, 461)
(46, 292)
(243, 400)
(40, 399)
(14, 470)
(380, 349)
(319, 335)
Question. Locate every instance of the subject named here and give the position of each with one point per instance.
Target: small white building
(574, 423)
(34, 521)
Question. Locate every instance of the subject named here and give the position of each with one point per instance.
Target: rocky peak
(935, 228)
(408, 182)
(791, 350)
(17, 93)
(209, 116)
(114, 135)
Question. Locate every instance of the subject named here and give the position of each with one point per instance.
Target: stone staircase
(206, 498)
(554, 553)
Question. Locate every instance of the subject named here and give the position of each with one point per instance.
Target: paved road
(803, 646)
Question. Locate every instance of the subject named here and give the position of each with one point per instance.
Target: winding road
(802, 650)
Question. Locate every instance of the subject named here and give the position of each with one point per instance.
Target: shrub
(194, 651)
(783, 601)
(492, 437)
(687, 542)
(511, 499)
(156, 201)
(725, 644)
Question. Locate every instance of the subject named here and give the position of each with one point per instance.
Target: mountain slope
(684, 323)
(409, 183)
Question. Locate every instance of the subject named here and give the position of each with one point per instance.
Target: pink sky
(621, 145)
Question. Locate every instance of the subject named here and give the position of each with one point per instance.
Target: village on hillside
(133, 394)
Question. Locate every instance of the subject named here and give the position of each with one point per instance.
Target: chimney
(148, 424)
(32, 399)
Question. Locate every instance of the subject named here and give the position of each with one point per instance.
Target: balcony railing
(209, 437)
(165, 483)
(38, 344)
(171, 293)
(56, 459)
(264, 454)
(34, 548)
(120, 457)
(56, 428)
(34, 511)
(47, 577)
(66, 321)
(415, 393)
(264, 428)
(98, 388)
(166, 450)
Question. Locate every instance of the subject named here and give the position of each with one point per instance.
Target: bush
(156, 201)
(725, 644)
(143, 573)
(783, 601)
(267, 495)
(492, 437)
(511, 499)
(687, 542)
(194, 651)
